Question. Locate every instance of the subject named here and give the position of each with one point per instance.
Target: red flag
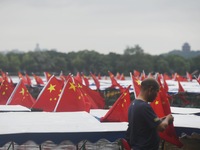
(24, 80)
(94, 96)
(166, 77)
(189, 76)
(180, 87)
(136, 74)
(5, 91)
(136, 85)
(86, 81)
(48, 97)
(87, 96)
(47, 75)
(161, 107)
(181, 92)
(96, 81)
(4, 76)
(119, 111)
(122, 77)
(29, 82)
(165, 85)
(21, 96)
(78, 77)
(179, 77)
(71, 99)
(114, 82)
(99, 76)
(1, 79)
(117, 76)
(125, 144)
(142, 76)
(38, 80)
(198, 79)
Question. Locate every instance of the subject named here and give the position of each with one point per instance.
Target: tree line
(86, 61)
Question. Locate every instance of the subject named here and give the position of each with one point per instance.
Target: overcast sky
(157, 26)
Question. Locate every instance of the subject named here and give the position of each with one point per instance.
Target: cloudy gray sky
(158, 26)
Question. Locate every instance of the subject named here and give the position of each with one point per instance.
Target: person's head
(149, 89)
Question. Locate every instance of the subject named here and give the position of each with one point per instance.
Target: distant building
(186, 47)
(37, 48)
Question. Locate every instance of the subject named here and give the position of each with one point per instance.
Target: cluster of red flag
(71, 95)
(58, 94)
(68, 93)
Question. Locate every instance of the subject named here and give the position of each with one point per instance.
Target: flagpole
(10, 98)
(65, 84)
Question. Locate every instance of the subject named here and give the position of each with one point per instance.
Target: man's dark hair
(149, 83)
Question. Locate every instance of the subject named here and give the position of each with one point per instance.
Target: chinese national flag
(99, 76)
(142, 76)
(189, 76)
(94, 97)
(47, 75)
(179, 77)
(5, 91)
(181, 92)
(38, 80)
(24, 80)
(180, 87)
(72, 99)
(29, 82)
(21, 96)
(114, 82)
(78, 77)
(136, 74)
(117, 76)
(166, 87)
(48, 97)
(4, 76)
(136, 85)
(161, 107)
(122, 77)
(96, 81)
(85, 79)
(119, 111)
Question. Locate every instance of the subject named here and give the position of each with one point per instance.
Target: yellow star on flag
(138, 82)
(22, 91)
(124, 95)
(156, 102)
(51, 88)
(48, 75)
(122, 104)
(72, 86)
(79, 86)
(4, 92)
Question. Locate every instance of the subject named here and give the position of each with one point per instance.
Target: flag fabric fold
(72, 99)
(114, 83)
(38, 79)
(21, 96)
(96, 81)
(24, 80)
(5, 91)
(94, 96)
(119, 111)
(161, 107)
(136, 85)
(47, 75)
(48, 97)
